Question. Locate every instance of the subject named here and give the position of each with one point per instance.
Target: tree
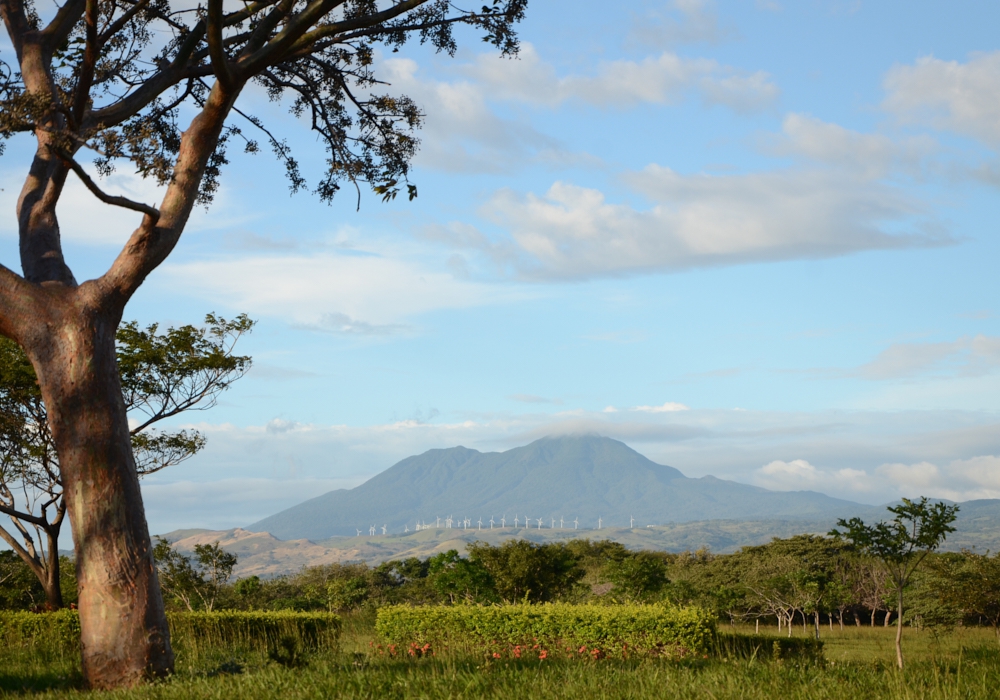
(971, 583)
(196, 583)
(163, 374)
(525, 571)
(902, 544)
(638, 576)
(116, 77)
(456, 578)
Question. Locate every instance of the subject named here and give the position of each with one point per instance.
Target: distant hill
(977, 527)
(572, 477)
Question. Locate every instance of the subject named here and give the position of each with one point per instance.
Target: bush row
(596, 630)
(258, 631)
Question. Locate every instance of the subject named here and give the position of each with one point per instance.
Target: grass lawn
(963, 664)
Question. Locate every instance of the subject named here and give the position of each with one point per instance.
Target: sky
(749, 238)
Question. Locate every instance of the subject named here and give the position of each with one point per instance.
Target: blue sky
(754, 239)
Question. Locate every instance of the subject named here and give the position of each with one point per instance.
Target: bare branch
(85, 73)
(114, 200)
(124, 19)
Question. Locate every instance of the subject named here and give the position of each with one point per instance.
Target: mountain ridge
(586, 477)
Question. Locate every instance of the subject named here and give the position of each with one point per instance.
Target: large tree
(116, 78)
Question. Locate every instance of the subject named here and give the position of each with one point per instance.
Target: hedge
(553, 628)
(259, 631)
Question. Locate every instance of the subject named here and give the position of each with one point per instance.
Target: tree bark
(53, 586)
(124, 634)
(899, 627)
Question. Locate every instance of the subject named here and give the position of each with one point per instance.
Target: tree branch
(18, 27)
(85, 72)
(62, 24)
(216, 49)
(315, 11)
(150, 244)
(114, 200)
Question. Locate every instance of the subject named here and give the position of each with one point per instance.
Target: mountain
(583, 477)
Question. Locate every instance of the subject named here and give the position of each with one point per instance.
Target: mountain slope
(583, 477)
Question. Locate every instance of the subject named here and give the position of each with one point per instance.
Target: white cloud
(800, 475)
(703, 220)
(871, 155)
(967, 356)
(684, 22)
(961, 480)
(958, 97)
(358, 294)
(668, 407)
(664, 79)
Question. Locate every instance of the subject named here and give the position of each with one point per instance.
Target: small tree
(196, 583)
(902, 544)
(162, 375)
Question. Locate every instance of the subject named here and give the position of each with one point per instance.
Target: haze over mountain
(571, 477)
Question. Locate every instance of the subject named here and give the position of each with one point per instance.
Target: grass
(963, 664)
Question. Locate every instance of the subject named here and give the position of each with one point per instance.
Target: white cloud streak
(339, 293)
(949, 95)
(573, 232)
(968, 356)
(871, 155)
(664, 79)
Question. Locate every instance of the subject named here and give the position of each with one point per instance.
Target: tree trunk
(899, 627)
(124, 634)
(52, 584)
(888, 616)
(873, 616)
(816, 622)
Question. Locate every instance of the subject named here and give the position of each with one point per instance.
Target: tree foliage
(125, 72)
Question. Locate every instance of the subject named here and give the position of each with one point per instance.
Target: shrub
(258, 631)
(596, 630)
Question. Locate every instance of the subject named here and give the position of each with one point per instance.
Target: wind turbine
(576, 523)
(438, 524)
(539, 523)
(553, 523)
(383, 529)
(491, 522)
(560, 523)
(515, 520)
(599, 521)
(406, 528)
(480, 523)
(503, 520)
(359, 532)
(371, 531)
(631, 522)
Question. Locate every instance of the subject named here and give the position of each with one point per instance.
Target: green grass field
(963, 664)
